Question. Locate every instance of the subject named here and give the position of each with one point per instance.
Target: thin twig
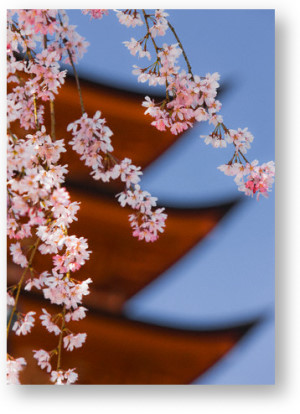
(240, 152)
(35, 246)
(52, 116)
(181, 47)
(77, 82)
(148, 29)
(35, 112)
(74, 71)
(59, 347)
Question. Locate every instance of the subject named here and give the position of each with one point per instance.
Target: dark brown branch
(181, 47)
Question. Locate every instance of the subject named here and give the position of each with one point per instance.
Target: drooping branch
(182, 49)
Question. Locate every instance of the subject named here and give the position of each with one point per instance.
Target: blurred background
(218, 277)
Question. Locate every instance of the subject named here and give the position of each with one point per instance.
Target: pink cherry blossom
(64, 377)
(74, 341)
(24, 323)
(76, 315)
(10, 300)
(131, 18)
(57, 377)
(13, 369)
(89, 134)
(135, 47)
(43, 358)
(160, 24)
(95, 13)
(38, 206)
(252, 178)
(71, 376)
(47, 321)
(240, 138)
(17, 254)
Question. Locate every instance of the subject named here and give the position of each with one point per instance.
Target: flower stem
(35, 112)
(240, 152)
(59, 347)
(19, 285)
(52, 115)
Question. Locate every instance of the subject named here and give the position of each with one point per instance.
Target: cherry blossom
(95, 13)
(91, 140)
(74, 341)
(160, 25)
(240, 138)
(10, 300)
(37, 204)
(43, 358)
(191, 98)
(252, 178)
(135, 47)
(17, 254)
(39, 207)
(259, 180)
(46, 319)
(14, 367)
(130, 18)
(64, 377)
(76, 315)
(71, 376)
(24, 323)
(57, 377)
(215, 140)
(62, 290)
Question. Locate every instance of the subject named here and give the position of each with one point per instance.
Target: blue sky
(230, 276)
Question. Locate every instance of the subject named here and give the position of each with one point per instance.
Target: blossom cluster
(37, 200)
(159, 23)
(251, 178)
(95, 13)
(91, 140)
(38, 205)
(14, 367)
(241, 139)
(130, 18)
(191, 98)
(188, 98)
(38, 75)
(159, 27)
(135, 47)
(34, 177)
(59, 377)
(24, 323)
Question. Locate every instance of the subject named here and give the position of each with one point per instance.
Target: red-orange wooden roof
(122, 351)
